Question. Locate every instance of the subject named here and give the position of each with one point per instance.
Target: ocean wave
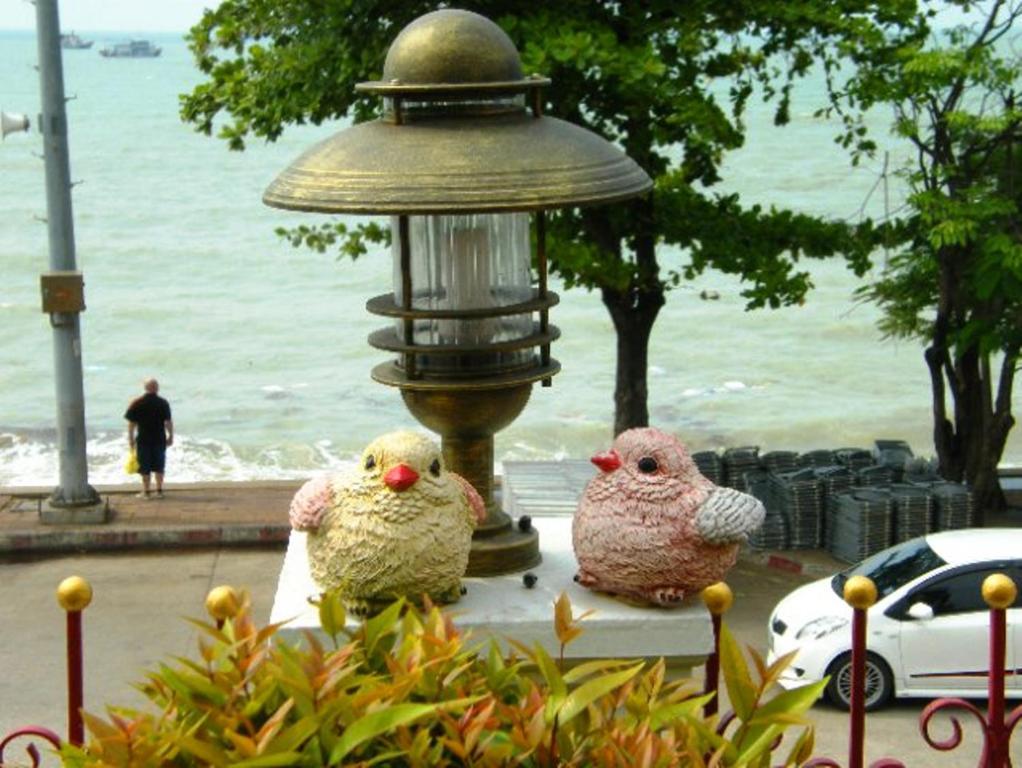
(30, 458)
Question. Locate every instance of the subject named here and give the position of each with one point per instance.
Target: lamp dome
(452, 46)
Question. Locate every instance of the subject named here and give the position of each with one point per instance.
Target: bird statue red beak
(400, 478)
(608, 461)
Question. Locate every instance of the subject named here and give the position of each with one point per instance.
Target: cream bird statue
(400, 526)
(651, 528)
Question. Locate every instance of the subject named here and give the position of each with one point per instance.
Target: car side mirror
(920, 612)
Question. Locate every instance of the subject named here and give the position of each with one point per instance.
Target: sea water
(261, 348)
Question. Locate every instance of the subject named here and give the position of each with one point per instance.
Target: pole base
(79, 514)
(505, 552)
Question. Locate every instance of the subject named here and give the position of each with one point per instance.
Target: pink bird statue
(651, 528)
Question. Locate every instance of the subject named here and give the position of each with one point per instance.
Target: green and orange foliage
(406, 688)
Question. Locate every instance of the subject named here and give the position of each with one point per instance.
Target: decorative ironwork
(999, 592)
(31, 749)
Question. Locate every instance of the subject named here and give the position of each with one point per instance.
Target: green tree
(668, 81)
(955, 281)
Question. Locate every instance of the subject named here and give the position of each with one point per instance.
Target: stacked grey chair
(737, 463)
(773, 534)
(710, 466)
(859, 523)
(913, 511)
(798, 495)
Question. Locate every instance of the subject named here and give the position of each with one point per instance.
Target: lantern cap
(451, 50)
(458, 138)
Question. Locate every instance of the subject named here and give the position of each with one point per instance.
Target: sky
(110, 15)
(156, 15)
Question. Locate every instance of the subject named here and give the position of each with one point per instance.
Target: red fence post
(718, 599)
(74, 594)
(999, 592)
(860, 593)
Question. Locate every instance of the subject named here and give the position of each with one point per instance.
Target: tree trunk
(969, 445)
(969, 449)
(633, 312)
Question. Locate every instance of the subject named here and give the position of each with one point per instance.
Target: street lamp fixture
(461, 159)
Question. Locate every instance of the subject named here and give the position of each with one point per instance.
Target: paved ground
(208, 514)
(142, 595)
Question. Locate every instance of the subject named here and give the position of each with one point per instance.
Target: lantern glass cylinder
(461, 263)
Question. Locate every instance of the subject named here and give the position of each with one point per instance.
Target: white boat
(133, 49)
(73, 42)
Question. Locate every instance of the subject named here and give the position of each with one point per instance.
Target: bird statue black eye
(370, 462)
(434, 468)
(648, 465)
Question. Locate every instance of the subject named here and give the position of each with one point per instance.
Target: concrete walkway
(188, 516)
(254, 514)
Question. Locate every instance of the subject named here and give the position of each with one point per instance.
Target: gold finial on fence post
(74, 595)
(999, 591)
(222, 603)
(718, 599)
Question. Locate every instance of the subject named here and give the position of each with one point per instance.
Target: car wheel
(879, 682)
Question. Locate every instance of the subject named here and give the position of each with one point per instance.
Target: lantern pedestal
(466, 418)
(502, 607)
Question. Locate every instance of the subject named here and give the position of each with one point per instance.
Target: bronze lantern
(460, 158)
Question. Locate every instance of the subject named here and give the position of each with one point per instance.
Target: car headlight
(821, 627)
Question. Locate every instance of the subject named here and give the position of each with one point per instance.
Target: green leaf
(760, 745)
(588, 668)
(332, 616)
(663, 716)
(585, 694)
(557, 690)
(791, 703)
(269, 761)
(381, 625)
(206, 752)
(292, 738)
(737, 679)
(372, 725)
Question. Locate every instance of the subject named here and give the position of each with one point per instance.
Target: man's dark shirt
(149, 412)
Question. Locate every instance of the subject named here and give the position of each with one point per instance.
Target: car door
(1013, 683)
(951, 649)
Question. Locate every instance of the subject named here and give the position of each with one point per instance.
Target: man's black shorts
(151, 458)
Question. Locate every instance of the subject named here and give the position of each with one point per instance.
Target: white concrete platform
(502, 606)
(543, 488)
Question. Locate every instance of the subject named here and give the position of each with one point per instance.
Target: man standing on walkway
(149, 414)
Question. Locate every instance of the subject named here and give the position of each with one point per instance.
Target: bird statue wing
(473, 499)
(728, 516)
(310, 503)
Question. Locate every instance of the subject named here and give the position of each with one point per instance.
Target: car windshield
(892, 568)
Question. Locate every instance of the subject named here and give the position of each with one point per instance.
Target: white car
(928, 633)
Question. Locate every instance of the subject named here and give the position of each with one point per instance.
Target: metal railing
(999, 592)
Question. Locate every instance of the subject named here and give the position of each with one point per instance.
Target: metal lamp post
(460, 159)
(74, 500)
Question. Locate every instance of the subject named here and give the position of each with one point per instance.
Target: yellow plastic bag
(131, 463)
